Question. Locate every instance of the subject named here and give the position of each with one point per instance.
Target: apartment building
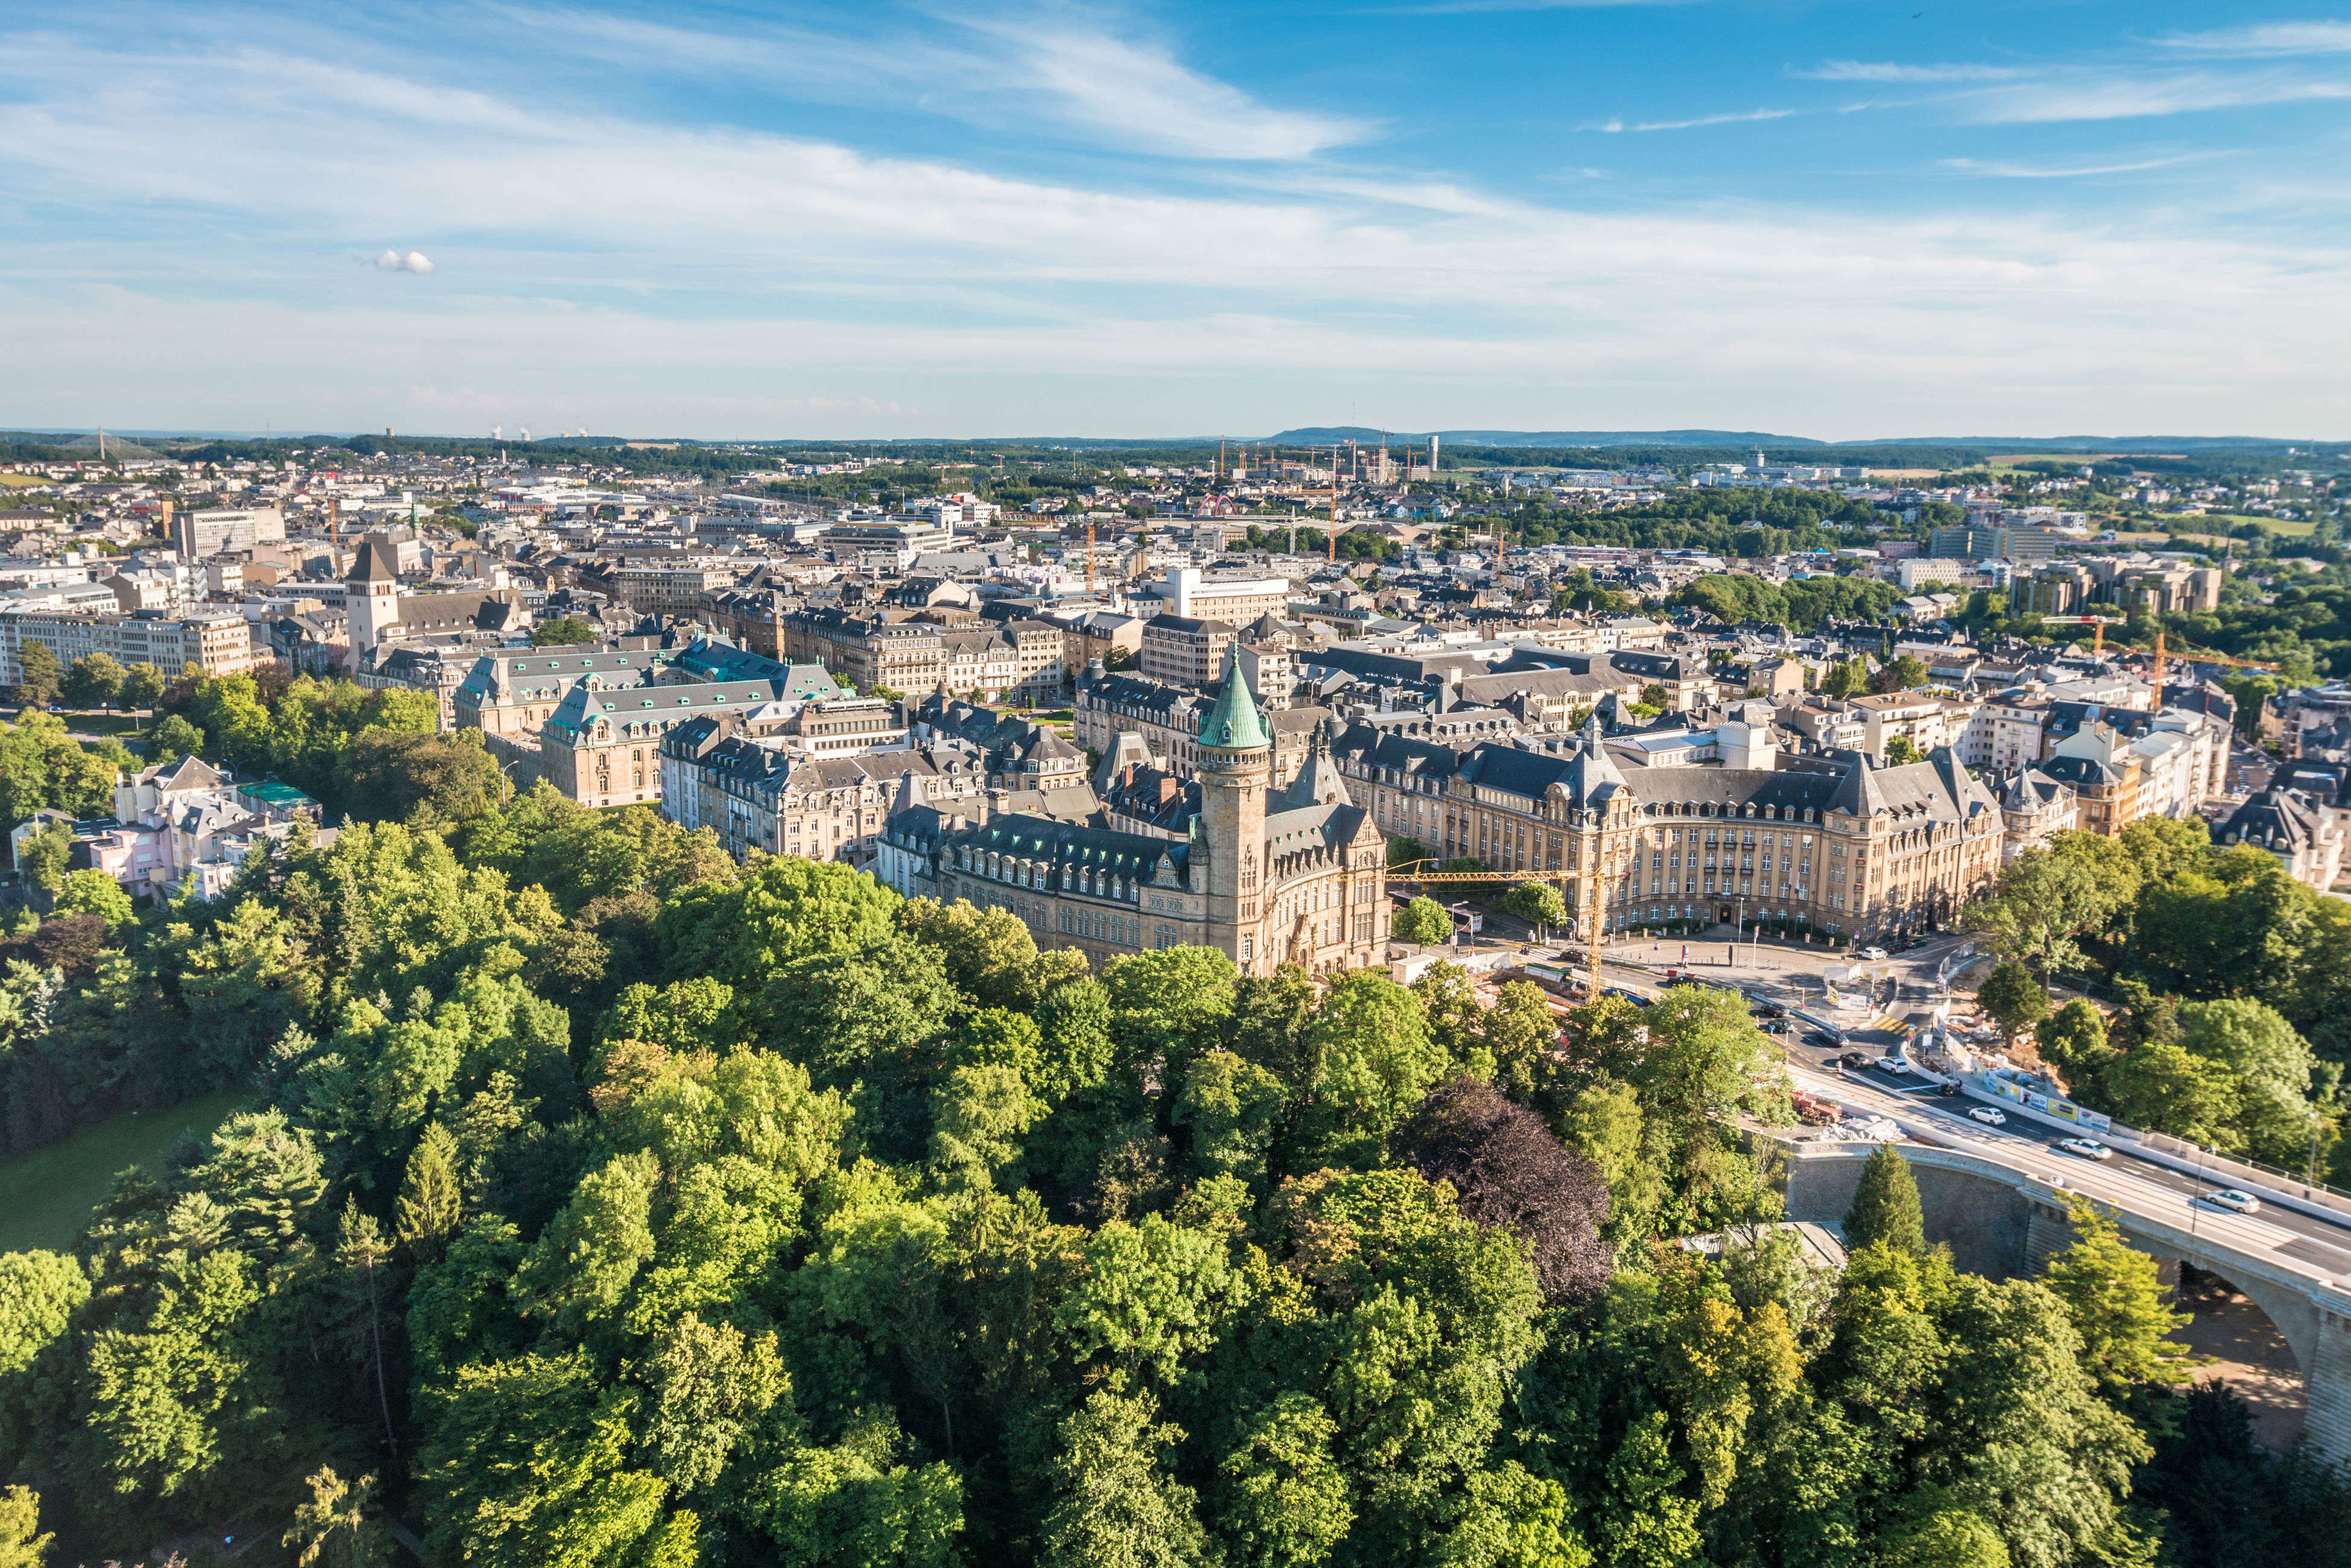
(993, 658)
(755, 793)
(903, 655)
(2031, 808)
(1195, 595)
(196, 535)
(1168, 718)
(670, 587)
(1928, 722)
(751, 618)
(1182, 651)
(842, 728)
(2303, 831)
(211, 644)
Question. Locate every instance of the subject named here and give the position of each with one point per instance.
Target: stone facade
(1839, 844)
(1266, 876)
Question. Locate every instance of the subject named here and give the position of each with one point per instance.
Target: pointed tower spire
(1232, 721)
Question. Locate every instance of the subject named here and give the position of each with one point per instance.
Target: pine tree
(430, 1207)
(2115, 1303)
(1886, 1205)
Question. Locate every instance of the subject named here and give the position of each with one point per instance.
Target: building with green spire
(1265, 877)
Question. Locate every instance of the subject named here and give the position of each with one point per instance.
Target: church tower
(371, 599)
(1236, 769)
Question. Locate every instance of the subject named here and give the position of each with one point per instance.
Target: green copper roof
(1233, 722)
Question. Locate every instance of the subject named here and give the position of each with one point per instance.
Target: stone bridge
(2003, 1219)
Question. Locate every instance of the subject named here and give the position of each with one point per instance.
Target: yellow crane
(2196, 655)
(1410, 872)
(2097, 641)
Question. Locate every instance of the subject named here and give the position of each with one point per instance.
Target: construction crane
(2098, 642)
(1591, 914)
(2194, 655)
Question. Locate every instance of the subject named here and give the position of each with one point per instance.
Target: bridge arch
(2002, 1224)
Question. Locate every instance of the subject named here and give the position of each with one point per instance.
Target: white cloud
(2013, 171)
(1143, 96)
(1886, 71)
(394, 261)
(2149, 94)
(761, 271)
(2267, 38)
(1059, 69)
(1745, 117)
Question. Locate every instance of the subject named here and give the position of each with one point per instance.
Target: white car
(2085, 1148)
(1875, 955)
(2235, 1200)
(1988, 1116)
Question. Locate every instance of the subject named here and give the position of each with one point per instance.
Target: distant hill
(1318, 435)
(1321, 435)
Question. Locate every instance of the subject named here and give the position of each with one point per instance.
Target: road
(2157, 1190)
(1791, 975)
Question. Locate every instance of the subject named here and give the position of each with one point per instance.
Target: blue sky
(1843, 220)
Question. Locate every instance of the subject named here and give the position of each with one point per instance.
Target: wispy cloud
(1742, 117)
(2267, 38)
(615, 251)
(2014, 171)
(2080, 96)
(1054, 69)
(1142, 95)
(1888, 71)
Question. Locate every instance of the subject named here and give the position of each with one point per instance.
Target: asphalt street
(1790, 975)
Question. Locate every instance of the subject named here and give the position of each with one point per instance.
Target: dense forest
(603, 1201)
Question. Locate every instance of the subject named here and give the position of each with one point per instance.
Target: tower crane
(1590, 909)
(2098, 640)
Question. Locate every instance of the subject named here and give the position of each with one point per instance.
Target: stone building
(2031, 808)
(1835, 844)
(2303, 832)
(756, 794)
(1267, 876)
(1168, 718)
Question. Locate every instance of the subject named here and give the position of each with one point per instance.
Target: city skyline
(1847, 220)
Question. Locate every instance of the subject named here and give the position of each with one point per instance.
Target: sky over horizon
(1847, 221)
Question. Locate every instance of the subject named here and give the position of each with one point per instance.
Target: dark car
(1767, 1010)
(1827, 1041)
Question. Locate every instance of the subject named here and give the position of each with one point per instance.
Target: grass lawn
(2228, 522)
(45, 1196)
(96, 721)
